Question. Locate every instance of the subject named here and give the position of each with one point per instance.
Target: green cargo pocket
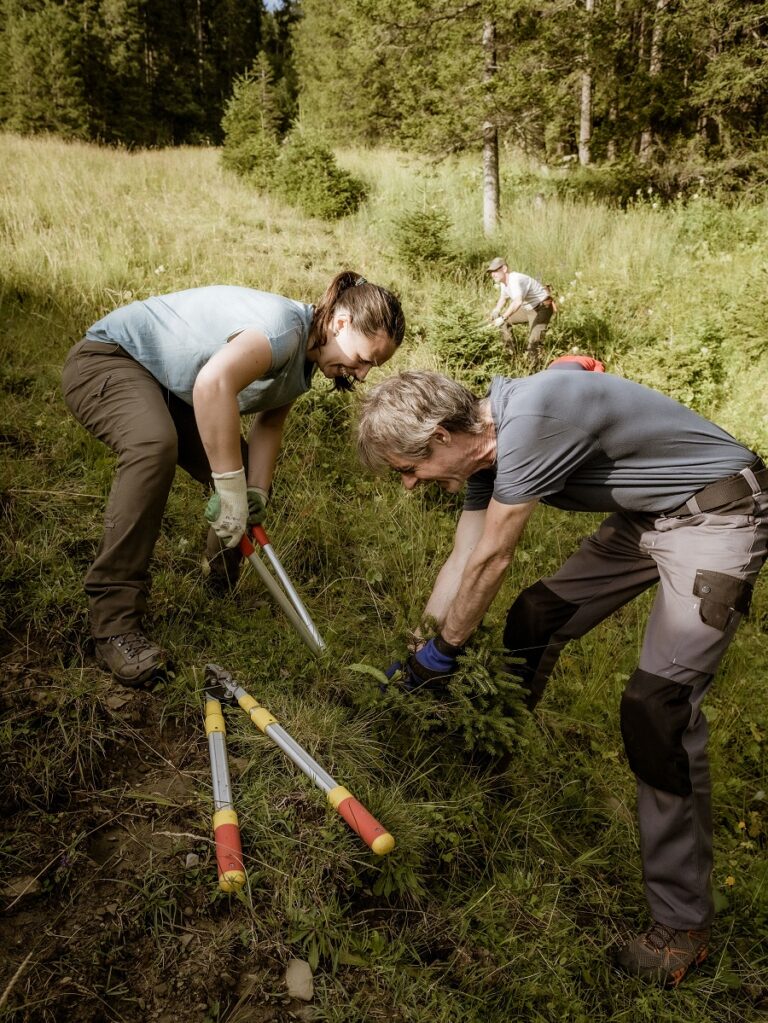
(721, 596)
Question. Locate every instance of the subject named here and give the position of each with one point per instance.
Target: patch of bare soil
(109, 905)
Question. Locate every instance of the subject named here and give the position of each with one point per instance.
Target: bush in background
(683, 176)
(690, 367)
(469, 350)
(308, 176)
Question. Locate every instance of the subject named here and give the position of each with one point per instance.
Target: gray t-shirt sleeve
(284, 346)
(479, 490)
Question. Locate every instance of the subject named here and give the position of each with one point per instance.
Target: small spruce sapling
(483, 709)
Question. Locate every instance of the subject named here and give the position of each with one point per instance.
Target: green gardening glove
(257, 505)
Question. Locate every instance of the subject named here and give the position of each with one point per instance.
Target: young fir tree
(250, 121)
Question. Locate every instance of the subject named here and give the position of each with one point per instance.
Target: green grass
(504, 895)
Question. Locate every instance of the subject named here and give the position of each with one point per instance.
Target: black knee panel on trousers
(654, 714)
(532, 620)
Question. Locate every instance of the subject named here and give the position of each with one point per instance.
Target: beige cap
(496, 264)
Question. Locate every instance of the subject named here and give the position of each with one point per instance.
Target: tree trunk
(654, 70)
(200, 51)
(585, 108)
(612, 148)
(490, 137)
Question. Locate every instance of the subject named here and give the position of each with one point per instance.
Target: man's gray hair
(398, 417)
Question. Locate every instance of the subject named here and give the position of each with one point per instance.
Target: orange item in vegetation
(590, 364)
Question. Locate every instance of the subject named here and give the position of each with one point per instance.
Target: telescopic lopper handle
(363, 823)
(260, 535)
(226, 830)
(229, 850)
(249, 551)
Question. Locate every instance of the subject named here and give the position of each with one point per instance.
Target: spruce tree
(249, 124)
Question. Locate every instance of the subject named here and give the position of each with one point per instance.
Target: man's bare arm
(484, 569)
(468, 531)
(511, 309)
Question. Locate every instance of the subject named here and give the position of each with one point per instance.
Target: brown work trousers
(538, 322)
(151, 431)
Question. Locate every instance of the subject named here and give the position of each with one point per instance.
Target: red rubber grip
(246, 546)
(229, 851)
(261, 536)
(361, 822)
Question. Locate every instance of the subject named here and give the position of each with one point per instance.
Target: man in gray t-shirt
(688, 512)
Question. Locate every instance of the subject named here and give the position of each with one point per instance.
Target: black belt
(750, 481)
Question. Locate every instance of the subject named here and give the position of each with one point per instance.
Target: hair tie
(359, 281)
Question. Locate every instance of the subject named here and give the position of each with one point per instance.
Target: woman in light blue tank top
(163, 382)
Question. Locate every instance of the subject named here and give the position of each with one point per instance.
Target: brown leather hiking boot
(663, 955)
(132, 658)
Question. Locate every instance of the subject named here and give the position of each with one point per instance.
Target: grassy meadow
(507, 891)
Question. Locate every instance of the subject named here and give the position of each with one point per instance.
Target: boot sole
(157, 673)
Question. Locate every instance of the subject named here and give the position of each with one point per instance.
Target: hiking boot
(663, 955)
(221, 566)
(132, 658)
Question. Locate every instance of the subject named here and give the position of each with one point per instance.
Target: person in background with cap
(521, 292)
(163, 382)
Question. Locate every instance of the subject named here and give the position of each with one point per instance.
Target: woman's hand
(227, 510)
(257, 505)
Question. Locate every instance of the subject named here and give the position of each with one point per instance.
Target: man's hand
(430, 667)
(499, 321)
(227, 509)
(257, 505)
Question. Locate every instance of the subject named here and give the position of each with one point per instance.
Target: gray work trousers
(151, 431)
(703, 564)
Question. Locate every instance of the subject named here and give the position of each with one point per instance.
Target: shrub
(308, 176)
(681, 177)
(691, 368)
(254, 158)
(470, 350)
(421, 238)
(482, 711)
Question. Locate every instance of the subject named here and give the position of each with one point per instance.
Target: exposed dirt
(108, 895)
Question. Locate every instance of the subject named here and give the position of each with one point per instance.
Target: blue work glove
(391, 670)
(430, 668)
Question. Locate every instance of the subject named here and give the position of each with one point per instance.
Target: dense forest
(591, 81)
(133, 72)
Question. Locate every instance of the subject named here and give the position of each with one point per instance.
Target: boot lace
(659, 936)
(133, 643)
